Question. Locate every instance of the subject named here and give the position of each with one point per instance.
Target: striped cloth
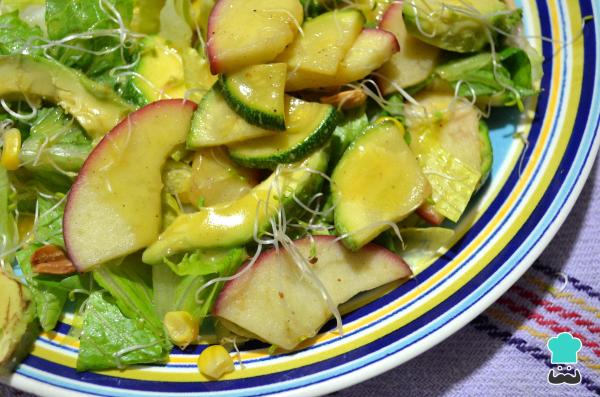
(503, 351)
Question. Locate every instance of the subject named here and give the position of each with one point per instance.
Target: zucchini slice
(309, 126)
(326, 40)
(257, 94)
(215, 123)
(378, 181)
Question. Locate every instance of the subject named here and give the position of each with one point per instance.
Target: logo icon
(564, 348)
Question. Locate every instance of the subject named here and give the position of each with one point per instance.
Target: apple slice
(113, 208)
(250, 32)
(276, 302)
(428, 212)
(415, 61)
(372, 48)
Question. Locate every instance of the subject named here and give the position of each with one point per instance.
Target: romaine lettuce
(104, 23)
(112, 340)
(48, 228)
(185, 291)
(49, 292)
(129, 282)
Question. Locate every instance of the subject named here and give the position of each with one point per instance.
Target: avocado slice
(232, 224)
(95, 106)
(18, 329)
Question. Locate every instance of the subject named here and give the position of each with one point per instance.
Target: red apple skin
(265, 256)
(428, 213)
(390, 16)
(90, 163)
(385, 35)
(271, 301)
(215, 67)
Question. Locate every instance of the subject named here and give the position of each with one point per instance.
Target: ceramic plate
(533, 186)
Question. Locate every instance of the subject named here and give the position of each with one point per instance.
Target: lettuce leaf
(175, 23)
(453, 182)
(177, 293)
(509, 84)
(8, 227)
(202, 263)
(50, 293)
(68, 17)
(95, 56)
(112, 340)
(48, 228)
(16, 36)
(174, 292)
(129, 283)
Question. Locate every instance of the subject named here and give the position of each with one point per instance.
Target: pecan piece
(346, 99)
(50, 259)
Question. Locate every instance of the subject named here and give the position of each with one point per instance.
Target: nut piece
(346, 99)
(50, 259)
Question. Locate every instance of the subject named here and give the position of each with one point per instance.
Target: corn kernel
(181, 327)
(11, 149)
(215, 361)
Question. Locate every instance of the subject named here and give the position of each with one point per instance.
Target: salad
(182, 172)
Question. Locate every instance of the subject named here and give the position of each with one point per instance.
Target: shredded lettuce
(112, 340)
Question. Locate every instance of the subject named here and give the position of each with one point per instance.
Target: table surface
(504, 349)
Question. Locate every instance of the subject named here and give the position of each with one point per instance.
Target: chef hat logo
(564, 348)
